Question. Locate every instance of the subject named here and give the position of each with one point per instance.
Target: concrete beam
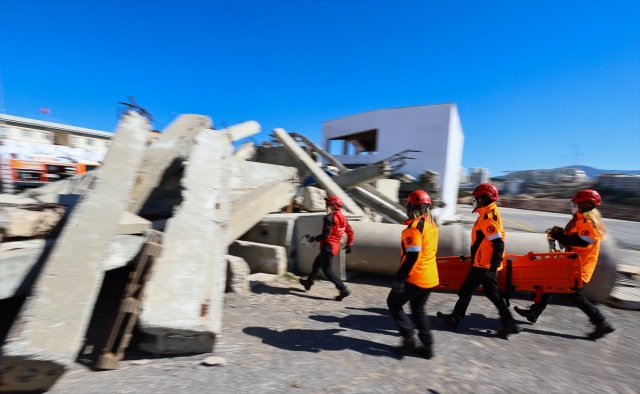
(53, 322)
(245, 151)
(363, 175)
(175, 141)
(321, 177)
(250, 209)
(182, 308)
(242, 130)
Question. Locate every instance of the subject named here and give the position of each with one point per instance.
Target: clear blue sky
(538, 84)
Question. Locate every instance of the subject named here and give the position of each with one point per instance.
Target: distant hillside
(593, 173)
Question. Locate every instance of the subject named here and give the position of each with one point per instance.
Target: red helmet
(418, 197)
(333, 201)
(587, 195)
(488, 190)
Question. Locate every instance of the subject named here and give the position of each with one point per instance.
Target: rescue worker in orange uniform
(487, 253)
(334, 225)
(417, 275)
(581, 235)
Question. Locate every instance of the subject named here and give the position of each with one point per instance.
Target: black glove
(347, 249)
(463, 257)
(398, 287)
(491, 275)
(556, 232)
(311, 238)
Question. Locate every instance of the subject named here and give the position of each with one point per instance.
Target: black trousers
(417, 298)
(324, 260)
(578, 299)
(475, 278)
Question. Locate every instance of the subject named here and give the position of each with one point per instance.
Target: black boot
(306, 283)
(449, 320)
(425, 351)
(601, 330)
(344, 293)
(528, 313)
(407, 345)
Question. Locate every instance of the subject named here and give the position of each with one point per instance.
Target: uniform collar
(488, 208)
(410, 221)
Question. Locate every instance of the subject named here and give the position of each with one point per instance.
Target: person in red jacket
(334, 226)
(487, 253)
(581, 235)
(417, 275)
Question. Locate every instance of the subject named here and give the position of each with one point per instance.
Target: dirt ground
(281, 339)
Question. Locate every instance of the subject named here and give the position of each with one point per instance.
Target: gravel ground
(281, 339)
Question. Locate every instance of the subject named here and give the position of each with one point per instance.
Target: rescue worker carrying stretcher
(334, 226)
(581, 235)
(487, 253)
(417, 275)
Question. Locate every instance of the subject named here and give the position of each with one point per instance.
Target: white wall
(435, 130)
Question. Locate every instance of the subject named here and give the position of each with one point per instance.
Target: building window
(5, 132)
(106, 144)
(90, 142)
(74, 141)
(26, 133)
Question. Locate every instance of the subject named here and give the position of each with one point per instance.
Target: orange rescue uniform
(586, 230)
(487, 228)
(421, 235)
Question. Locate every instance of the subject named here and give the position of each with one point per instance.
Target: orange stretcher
(535, 272)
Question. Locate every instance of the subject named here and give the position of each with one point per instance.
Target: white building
(433, 130)
(32, 139)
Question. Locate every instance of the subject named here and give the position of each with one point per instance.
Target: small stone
(213, 361)
(140, 362)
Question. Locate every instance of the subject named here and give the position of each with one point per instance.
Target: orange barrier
(536, 272)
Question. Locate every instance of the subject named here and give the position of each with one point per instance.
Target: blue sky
(538, 84)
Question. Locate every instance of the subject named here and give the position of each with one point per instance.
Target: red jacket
(334, 225)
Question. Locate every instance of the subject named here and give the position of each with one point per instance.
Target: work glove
(491, 275)
(307, 240)
(556, 232)
(347, 249)
(398, 287)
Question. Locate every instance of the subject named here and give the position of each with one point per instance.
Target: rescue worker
(334, 225)
(581, 235)
(417, 275)
(487, 253)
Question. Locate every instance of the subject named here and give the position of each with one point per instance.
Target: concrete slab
(268, 259)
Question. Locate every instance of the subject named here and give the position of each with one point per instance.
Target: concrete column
(321, 177)
(182, 309)
(45, 341)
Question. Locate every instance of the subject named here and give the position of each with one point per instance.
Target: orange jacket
(420, 236)
(587, 231)
(486, 230)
